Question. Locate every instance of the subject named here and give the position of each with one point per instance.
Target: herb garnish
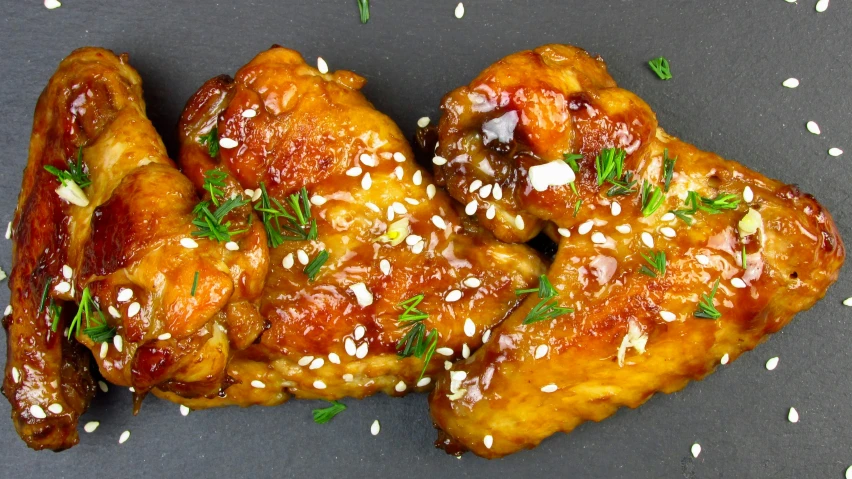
(312, 268)
(658, 263)
(695, 203)
(76, 172)
(364, 10)
(210, 224)
(416, 342)
(44, 293)
(99, 332)
(661, 67)
(577, 206)
(55, 311)
(322, 416)
(610, 166)
(668, 169)
(652, 198)
(194, 284)
(214, 181)
(547, 308)
(211, 139)
(571, 159)
(706, 309)
(272, 210)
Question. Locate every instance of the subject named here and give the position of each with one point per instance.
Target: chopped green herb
(210, 224)
(652, 198)
(610, 164)
(194, 284)
(571, 159)
(668, 169)
(416, 342)
(272, 210)
(722, 201)
(545, 288)
(211, 139)
(90, 312)
(745, 261)
(322, 416)
(683, 216)
(547, 308)
(658, 264)
(661, 67)
(706, 309)
(55, 312)
(364, 10)
(622, 187)
(312, 268)
(214, 181)
(577, 206)
(44, 293)
(76, 171)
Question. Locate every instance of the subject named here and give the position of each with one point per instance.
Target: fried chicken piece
(122, 245)
(638, 326)
(390, 236)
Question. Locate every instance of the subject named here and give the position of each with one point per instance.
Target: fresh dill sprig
(696, 203)
(299, 227)
(652, 198)
(657, 260)
(322, 416)
(547, 308)
(622, 187)
(312, 268)
(416, 342)
(194, 284)
(89, 311)
(364, 10)
(706, 309)
(210, 224)
(668, 169)
(545, 288)
(76, 171)
(610, 164)
(214, 181)
(211, 139)
(660, 66)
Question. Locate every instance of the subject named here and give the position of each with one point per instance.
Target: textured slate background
(728, 58)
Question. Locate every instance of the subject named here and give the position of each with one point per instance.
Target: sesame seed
(103, 386)
(565, 232)
(249, 113)
(486, 336)
(821, 6)
(118, 343)
(460, 10)
(772, 363)
(165, 336)
(498, 191)
(791, 82)
(488, 441)
(813, 127)
(400, 387)
(231, 246)
(368, 160)
(288, 261)
(439, 160)
(831, 151)
(9, 226)
(696, 450)
(188, 243)
(317, 200)
(16, 375)
(184, 411)
(348, 377)
(391, 214)
(598, 238)
(615, 208)
(738, 283)
(448, 365)
(793, 415)
(668, 232)
(354, 171)
(398, 172)
(668, 316)
(623, 229)
(362, 350)
(490, 212)
(485, 191)
(257, 384)
(52, 4)
(647, 239)
(444, 351)
(349, 346)
(257, 194)
(333, 358)
(124, 437)
(465, 351)
(55, 408)
(704, 260)
(133, 309)
(375, 428)
(317, 363)
(366, 181)
(398, 157)
(67, 272)
(322, 66)
(423, 122)
(37, 412)
(848, 474)
(470, 208)
(472, 282)
(430, 191)
(63, 287)
(453, 296)
(541, 351)
(91, 426)
(305, 360)
(417, 177)
(385, 266)
(104, 350)
(364, 298)
(228, 143)
(668, 217)
(412, 240)
(302, 256)
(847, 302)
(372, 206)
(439, 222)
(550, 388)
(249, 192)
(360, 331)
(423, 382)
(399, 208)
(748, 195)
(585, 227)
(519, 222)
(418, 248)
(469, 328)
(474, 186)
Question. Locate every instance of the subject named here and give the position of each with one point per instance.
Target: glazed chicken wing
(370, 232)
(670, 258)
(110, 226)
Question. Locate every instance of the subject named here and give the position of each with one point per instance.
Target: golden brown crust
(593, 362)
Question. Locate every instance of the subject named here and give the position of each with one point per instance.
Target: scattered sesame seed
(444, 351)
(103, 386)
(647, 239)
(846, 302)
(333, 358)
(188, 243)
(821, 6)
(366, 181)
(748, 195)
(411, 201)
(317, 200)
(16, 375)
(257, 384)
(400, 387)
(364, 298)
(52, 4)
(63, 287)
(623, 229)
(704, 260)
(439, 222)
(184, 411)
(490, 212)
(793, 415)
(322, 66)
(124, 437)
(470, 208)
(8, 310)
(118, 343)
(550, 388)
(813, 127)
(424, 382)
(488, 441)
(418, 248)
(453, 296)
(368, 159)
(448, 365)
(696, 450)
(91, 426)
(55, 408)
(131, 389)
(305, 360)
(232, 246)
(317, 363)
(360, 331)
(104, 350)
(391, 214)
(349, 346)
(257, 194)
(372, 206)
(228, 143)
(469, 328)
(288, 261)
(474, 186)
(738, 283)
(37, 412)
(564, 232)
(354, 171)
(398, 157)
(399, 208)
(831, 151)
(165, 336)
(417, 177)
(485, 191)
(249, 192)
(412, 240)
(615, 208)
(465, 351)
(598, 238)
(362, 350)
(772, 363)
(439, 160)
(249, 113)
(791, 82)
(430, 191)
(385, 267)
(486, 336)
(668, 316)
(423, 122)
(460, 10)
(725, 358)
(668, 216)
(375, 428)
(9, 226)
(398, 172)
(519, 222)
(348, 377)
(668, 232)
(302, 256)
(472, 282)
(133, 309)
(541, 351)
(585, 227)
(67, 272)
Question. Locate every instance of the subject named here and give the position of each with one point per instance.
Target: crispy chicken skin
(128, 238)
(316, 338)
(631, 334)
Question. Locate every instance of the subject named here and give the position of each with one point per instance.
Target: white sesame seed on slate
(831, 151)
(725, 358)
(585, 227)
(615, 208)
(348, 377)
(598, 238)
(52, 4)
(124, 437)
(188, 243)
(748, 195)
(362, 350)
(453, 296)
(821, 6)
(474, 186)
(302, 256)
(367, 159)
(550, 388)
(354, 171)
(772, 363)
(257, 384)
(424, 382)
(793, 415)
(322, 66)
(668, 316)
(249, 113)
(398, 157)
(460, 10)
(472, 282)
(847, 302)
(813, 127)
(738, 283)
(696, 450)
(470, 208)
(232, 246)
(165, 336)
(485, 191)
(791, 83)
(16, 375)
(228, 143)
(55, 408)
(647, 239)
(317, 363)
(848, 474)
(486, 336)
(366, 181)
(317, 200)
(118, 343)
(91, 426)
(430, 191)
(423, 122)
(375, 428)
(488, 441)
(333, 358)
(67, 272)
(439, 222)
(400, 387)
(9, 226)
(349, 346)
(417, 177)
(133, 309)
(439, 160)
(103, 386)
(519, 222)
(8, 310)
(63, 287)
(541, 351)
(623, 229)
(490, 212)
(564, 232)
(465, 351)
(444, 351)
(131, 389)
(385, 267)
(305, 360)
(37, 412)
(184, 411)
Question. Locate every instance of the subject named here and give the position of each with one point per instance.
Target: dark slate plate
(728, 58)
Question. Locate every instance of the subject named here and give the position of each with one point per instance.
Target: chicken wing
(670, 258)
(375, 233)
(104, 219)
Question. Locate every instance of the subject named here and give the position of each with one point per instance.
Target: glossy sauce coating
(631, 335)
